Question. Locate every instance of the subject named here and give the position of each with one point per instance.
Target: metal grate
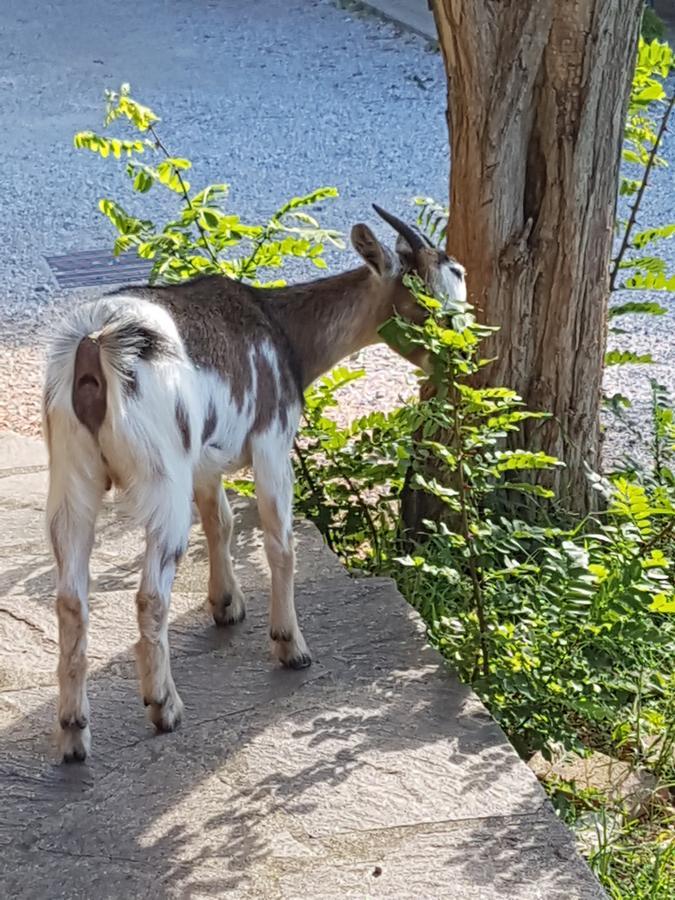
(89, 268)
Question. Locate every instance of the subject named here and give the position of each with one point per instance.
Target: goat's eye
(456, 270)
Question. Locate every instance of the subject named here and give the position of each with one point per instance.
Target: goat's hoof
(301, 661)
(74, 743)
(166, 716)
(292, 654)
(228, 610)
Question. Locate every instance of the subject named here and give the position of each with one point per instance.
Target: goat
(160, 391)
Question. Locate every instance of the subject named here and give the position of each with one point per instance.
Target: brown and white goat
(162, 390)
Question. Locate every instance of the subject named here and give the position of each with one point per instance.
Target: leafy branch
(186, 195)
(202, 238)
(635, 207)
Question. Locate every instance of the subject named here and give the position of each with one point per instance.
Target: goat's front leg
(274, 489)
(76, 486)
(166, 542)
(225, 597)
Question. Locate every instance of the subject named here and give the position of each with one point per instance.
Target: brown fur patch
(183, 422)
(210, 422)
(310, 326)
(72, 632)
(267, 399)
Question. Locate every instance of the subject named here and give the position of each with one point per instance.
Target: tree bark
(537, 98)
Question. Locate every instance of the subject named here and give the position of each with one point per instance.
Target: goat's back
(223, 323)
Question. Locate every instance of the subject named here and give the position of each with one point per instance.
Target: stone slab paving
(371, 774)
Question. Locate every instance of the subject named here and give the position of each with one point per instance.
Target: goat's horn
(413, 237)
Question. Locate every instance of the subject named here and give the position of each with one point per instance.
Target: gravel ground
(275, 98)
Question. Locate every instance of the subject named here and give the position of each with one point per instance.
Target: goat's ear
(373, 253)
(405, 253)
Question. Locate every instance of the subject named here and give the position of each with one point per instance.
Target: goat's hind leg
(76, 486)
(274, 488)
(225, 597)
(166, 541)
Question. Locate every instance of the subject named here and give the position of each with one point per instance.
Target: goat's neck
(327, 320)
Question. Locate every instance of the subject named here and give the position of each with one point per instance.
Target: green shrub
(558, 628)
(652, 28)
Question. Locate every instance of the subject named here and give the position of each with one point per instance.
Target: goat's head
(443, 275)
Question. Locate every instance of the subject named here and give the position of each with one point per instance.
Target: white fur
(448, 283)
(140, 444)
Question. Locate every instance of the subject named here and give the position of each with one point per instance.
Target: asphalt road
(274, 97)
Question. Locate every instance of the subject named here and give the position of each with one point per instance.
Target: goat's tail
(90, 387)
(120, 406)
(93, 363)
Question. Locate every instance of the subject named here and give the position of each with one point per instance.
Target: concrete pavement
(371, 774)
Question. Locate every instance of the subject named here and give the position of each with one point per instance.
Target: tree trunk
(537, 97)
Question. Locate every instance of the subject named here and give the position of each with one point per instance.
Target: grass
(637, 860)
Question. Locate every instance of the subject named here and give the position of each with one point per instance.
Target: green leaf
(654, 264)
(120, 104)
(398, 337)
(509, 460)
(624, 357)
(209, 219)
(631, 156)
(168, 175)
(245, 487)
(649, 282)
(525, 487)
(143, 181)
(650, 309)
(210, 194)
(662, 603)
(650, 93)
(629, 187)
(649, 235)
